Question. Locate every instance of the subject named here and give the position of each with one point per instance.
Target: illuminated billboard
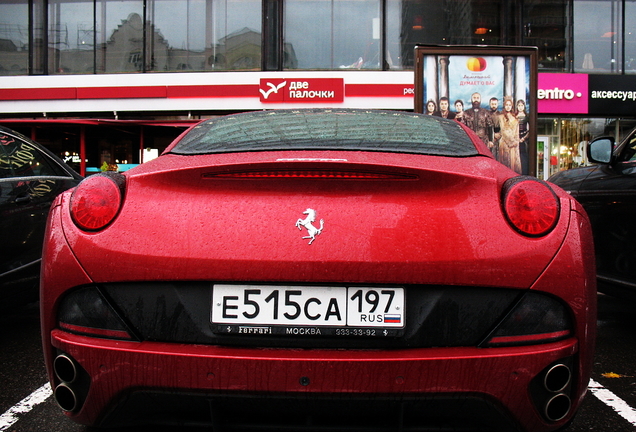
(490, 89)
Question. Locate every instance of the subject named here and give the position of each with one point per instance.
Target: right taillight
(536, 318)
(96, 201)
(530, 206)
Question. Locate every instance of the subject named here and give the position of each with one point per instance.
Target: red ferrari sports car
(320, 269)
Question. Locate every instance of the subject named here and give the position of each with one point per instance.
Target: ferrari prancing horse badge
(307, 223)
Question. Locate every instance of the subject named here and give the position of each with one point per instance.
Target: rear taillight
(86, 311)
(530, 206)
(97, 200)
(537, 318)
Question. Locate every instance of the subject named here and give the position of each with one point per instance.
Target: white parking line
(613, 401)
(24, 406)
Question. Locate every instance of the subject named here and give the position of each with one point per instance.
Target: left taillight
(530, 205)
(86, 311)
(96, 201)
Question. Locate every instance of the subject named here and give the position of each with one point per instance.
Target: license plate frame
(301, 310)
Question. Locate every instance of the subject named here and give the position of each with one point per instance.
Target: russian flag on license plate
(392, 319)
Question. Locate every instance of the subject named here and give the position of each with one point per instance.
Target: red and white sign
(294, 90)
(209, 91)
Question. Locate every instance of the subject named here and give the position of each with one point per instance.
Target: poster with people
(492, 90)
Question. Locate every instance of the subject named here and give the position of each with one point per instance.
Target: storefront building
(114, 81)
(576, 108)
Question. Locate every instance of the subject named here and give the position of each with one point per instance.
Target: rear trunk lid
(319, 217)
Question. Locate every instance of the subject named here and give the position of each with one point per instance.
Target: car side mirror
(600, 150)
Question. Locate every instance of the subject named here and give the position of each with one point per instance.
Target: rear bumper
(124, 379)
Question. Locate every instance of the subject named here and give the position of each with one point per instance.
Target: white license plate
(265, 305)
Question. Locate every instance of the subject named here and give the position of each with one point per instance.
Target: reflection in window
(198, 35)
(545, 25)
(71, 37)
(119, 35)
(108, 36)
(112, 36)
(440, 22)
(394, 58)
(597, 36)
(8, 146)
(567, 139)
(630, 36)
(14, 38)
(332, 34)
(19, 159)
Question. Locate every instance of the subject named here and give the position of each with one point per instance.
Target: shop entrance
(561, 142)
(543, 157)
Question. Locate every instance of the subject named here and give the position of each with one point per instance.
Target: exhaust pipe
(558, 407)
(557, 378)
(71, 393)
(65, 368)
(551, 390)
(65, 397)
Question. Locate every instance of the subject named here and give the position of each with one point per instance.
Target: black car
(30, 179)
(607, 191)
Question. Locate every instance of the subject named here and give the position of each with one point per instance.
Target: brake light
(96, 201)
(530, 206)
(311, 174)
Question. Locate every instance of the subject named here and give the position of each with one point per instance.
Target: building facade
(114, 81)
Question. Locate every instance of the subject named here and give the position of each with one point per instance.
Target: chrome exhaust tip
(65, 397)
(74, 384)
(65, 368)
(558, 407)
(557, 378)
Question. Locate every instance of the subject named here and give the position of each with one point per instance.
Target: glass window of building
(198, 35)
(121, 36)
(598, 36)
(412, 22)
(332, 34)
(128, 36)
(175, 39)
(630, 36)
(64, 141)
(545, 25)
(71, 37)
(14, 37)
(393, 21)
(562, 142)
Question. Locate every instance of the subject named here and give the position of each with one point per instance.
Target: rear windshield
(382, 131)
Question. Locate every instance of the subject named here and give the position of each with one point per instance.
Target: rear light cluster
(535, 319)
(530, 206)
(96, 201)
(86, 311)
